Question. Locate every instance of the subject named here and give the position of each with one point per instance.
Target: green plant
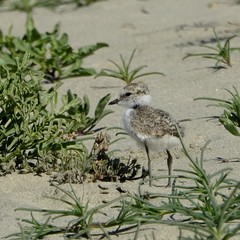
(81, 219)
(230, 118)
(221, 53)
(30, 5)
(211, 203)
(208, 203)
(80, 225)
(34, 132)
(83, 2)
(50, 53)
(123, 71)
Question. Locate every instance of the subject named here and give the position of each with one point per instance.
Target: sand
(162, 32)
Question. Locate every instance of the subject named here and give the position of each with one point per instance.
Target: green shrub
(221, 53)
(206, 205)
(31, 127)
(123, 71)
(50, 53)
(230, 118)
(30, 5)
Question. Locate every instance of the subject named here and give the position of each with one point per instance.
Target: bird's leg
(149, 165)
(169, 164)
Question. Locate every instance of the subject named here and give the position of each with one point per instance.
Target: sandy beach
(162, 32)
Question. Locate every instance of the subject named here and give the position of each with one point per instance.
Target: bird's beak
(115, 101)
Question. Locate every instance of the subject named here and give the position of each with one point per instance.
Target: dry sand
(162, 32)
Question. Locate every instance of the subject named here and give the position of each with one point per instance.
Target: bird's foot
(169, 184)
(145, 173)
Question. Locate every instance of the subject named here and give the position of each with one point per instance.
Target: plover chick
(153, 128)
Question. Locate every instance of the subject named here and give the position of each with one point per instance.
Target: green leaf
(64, 39)
(90, 49)
(86, 103)
(229, 125)
(6, 60)
(101, 106)
(21, 45)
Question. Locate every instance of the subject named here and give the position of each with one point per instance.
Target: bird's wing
(154, 122)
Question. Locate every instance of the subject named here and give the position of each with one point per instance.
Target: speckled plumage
(153, 122)
(155, 129)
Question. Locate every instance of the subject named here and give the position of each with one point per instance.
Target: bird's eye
(128, 94)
